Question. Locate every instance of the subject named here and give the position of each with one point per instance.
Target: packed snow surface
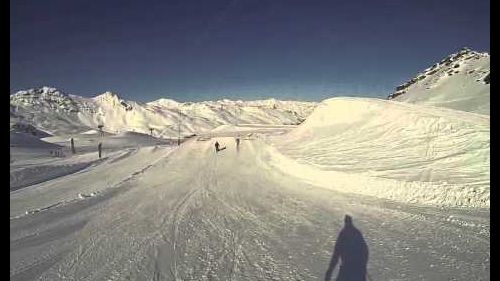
(164, 212)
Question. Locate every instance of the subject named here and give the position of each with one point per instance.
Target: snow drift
(439, 155)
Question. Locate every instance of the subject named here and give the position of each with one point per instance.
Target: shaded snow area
(460, 81)
(19, 139)
(399, 151)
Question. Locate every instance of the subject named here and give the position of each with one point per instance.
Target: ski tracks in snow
(197, 215)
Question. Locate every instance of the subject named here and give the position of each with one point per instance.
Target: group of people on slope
(73, 148)
(219, 148)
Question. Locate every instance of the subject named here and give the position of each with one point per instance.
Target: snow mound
(226, 128)
(460, 81)
(129, 134)
(413, 144)
(90, 132)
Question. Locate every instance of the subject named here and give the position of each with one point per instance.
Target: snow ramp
(440, 156)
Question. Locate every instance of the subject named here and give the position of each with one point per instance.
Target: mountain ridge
(57, 112)
(459, 81)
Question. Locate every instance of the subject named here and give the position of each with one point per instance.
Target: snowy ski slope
(192, 214)
(413, 172)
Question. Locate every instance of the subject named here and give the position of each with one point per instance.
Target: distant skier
(218, 148)
(73, 146)
(99, 149)
(237, 143)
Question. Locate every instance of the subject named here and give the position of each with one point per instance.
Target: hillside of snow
(58, 113)
(389, 149)
(460, 81)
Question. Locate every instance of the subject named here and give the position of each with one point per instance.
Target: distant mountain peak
(57, 113)
(49, 90)
(41, 91)
(165, 102)
(108, 95)
(113, 99)
(459, 81)
(43, 98)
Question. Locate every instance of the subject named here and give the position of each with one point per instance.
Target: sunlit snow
(412, 172)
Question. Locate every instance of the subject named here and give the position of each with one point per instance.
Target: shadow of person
(352, 250)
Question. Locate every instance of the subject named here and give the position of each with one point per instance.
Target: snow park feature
(405, 182)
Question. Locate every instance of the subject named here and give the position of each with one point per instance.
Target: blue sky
(239, 49)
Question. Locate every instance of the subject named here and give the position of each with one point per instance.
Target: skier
(99, 149)
(238, 143)
(218, 148)
(73, 146)
(351, 248)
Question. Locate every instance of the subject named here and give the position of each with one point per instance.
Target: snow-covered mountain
(460, 81)
(56, 112)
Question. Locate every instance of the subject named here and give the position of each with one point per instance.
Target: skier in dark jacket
(99, 149)
(216, 146)
(351, 248)
(237, 143)
(73, 146)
